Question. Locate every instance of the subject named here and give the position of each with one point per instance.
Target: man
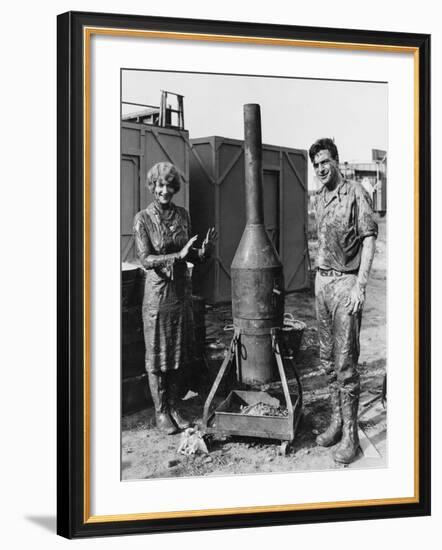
(347, 233)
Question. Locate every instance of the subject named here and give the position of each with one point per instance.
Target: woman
(163, 245)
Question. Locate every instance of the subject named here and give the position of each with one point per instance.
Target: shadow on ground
(49, 523)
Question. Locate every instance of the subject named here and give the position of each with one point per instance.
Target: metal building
(373, 176)
(154, 134)
(142, 146)
(217, 198)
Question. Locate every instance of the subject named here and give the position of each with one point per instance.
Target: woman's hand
(185, 250)
(209, 241)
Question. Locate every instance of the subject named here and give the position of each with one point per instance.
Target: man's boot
(334, 431)
(174, 392)
(348, 448)
(163, 420)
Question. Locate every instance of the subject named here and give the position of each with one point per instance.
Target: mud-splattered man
(347, 233)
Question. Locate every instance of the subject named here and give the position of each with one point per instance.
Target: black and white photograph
(254, 274)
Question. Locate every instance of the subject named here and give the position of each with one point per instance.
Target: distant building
(311, 205)
(372, 176)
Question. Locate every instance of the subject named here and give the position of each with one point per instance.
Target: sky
(294, 112)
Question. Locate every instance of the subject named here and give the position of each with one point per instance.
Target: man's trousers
(338, 330)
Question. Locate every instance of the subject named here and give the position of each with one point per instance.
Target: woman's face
(164, 191)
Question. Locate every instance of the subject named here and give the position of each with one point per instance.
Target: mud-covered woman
(164, 245)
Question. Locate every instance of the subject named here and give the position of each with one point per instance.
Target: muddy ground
(148, 454)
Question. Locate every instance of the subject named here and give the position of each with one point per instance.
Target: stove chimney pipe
(253, 164)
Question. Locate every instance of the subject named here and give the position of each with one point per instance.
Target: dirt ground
(148, 454)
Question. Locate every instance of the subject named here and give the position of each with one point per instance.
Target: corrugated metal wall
(217, 198)
(142, 146)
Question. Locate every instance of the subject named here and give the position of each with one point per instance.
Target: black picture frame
(73, 513)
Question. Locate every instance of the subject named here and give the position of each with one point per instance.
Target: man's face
(326, 168)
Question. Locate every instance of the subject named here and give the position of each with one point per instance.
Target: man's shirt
(344, 218)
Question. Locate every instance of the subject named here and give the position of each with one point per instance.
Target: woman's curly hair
(166, 171)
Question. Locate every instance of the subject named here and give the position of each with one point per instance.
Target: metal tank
(256, 271)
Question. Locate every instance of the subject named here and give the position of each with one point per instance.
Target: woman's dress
(167, 306)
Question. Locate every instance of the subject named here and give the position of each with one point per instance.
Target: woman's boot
(348, 448)
(164, 422)
(334, 431)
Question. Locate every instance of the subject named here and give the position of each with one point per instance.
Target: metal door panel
(294, 205)
(130, 202)
(271, 205)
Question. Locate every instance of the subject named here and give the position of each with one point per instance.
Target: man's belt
(335, 273)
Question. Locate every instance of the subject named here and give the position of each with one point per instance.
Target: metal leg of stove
(285, 388)
(222, 371)
(298, 407)
(298, 382)
(237, 343)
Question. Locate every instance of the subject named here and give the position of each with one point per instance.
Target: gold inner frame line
(265, 41)
(87, 33)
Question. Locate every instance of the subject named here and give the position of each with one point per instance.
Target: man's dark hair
(320, 145)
